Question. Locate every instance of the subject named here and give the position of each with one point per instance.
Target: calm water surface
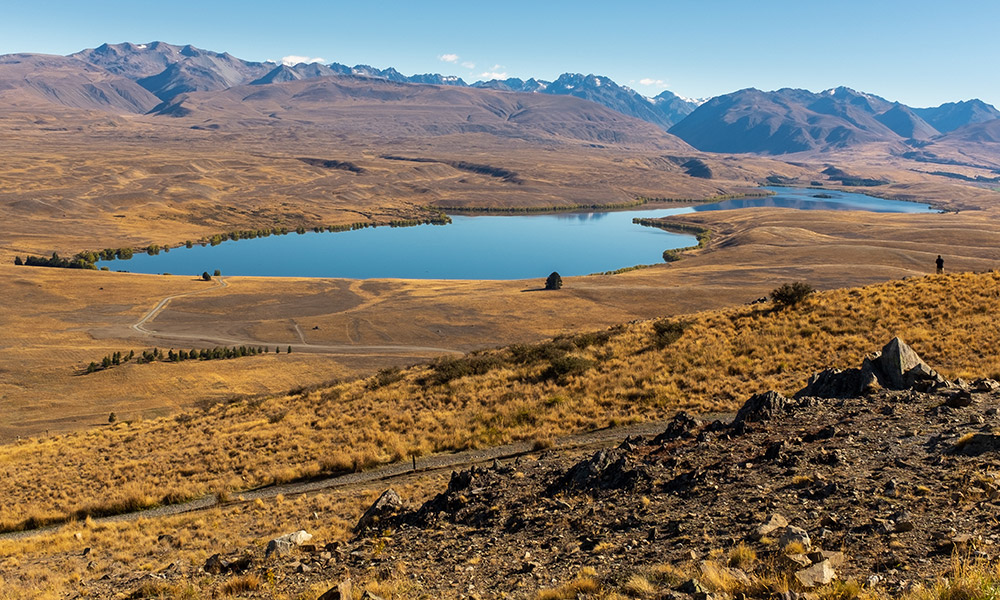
(478, 247)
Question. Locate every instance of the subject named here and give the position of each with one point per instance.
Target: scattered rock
(836, 559)
(986, 385)
(606, 469)
(773, 524)
(820, 573)
(903, 522)
(691, 586)
(215, 565)
(681, 426)
(283, 545)
(761, 407)
(341, 591)
(388, 505)
(794, 535)
(959, 399)
(798, 560)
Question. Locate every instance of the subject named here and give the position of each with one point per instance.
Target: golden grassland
(528, 392)
(56, 321)
(61, 319)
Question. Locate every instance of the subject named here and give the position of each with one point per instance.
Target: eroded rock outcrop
(895, 367)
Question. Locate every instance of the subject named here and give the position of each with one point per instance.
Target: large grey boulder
(283, 545)
(388, 505)
(895, 367)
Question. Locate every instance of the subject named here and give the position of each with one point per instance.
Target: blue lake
(479, 247)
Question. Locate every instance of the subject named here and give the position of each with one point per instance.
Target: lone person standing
(940, 264)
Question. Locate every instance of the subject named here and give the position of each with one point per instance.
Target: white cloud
(469, 65)
(495, 72)
(448, 58)
(292, 60)
(650, 82)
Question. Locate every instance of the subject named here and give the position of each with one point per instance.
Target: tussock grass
(967, 579)
(523, 393)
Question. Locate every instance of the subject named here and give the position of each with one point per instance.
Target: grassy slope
(516, 393)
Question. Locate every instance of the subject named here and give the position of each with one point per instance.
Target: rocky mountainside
(33, 80)
(385, 109)
(664, 110)
(987, 131)
(952, 115)
(167, 70)
(791, 120)
(872, 478)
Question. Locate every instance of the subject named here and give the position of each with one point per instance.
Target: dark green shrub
(448, 369)
(790, 294)
(384, 377)
(593, 338)
(554, 281)
(667, 331)
(523, 354)
(564, 366)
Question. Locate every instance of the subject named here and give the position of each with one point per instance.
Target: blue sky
(919, 52)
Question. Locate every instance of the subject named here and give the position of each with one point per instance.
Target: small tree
(206, 276)
(218, 273)
(289, 350)
(554, 281)
(112, 418)
(790, 294)
(18, 261)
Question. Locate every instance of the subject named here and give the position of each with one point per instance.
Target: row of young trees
(218, 353)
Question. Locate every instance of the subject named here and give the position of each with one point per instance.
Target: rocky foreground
(879, 476)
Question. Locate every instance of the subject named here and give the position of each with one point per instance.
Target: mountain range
(166, 79)
(792, 120)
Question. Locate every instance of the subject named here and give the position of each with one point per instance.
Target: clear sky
(919, 52)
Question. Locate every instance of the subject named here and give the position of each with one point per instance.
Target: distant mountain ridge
(42, 79)
(167, 70)
(792, 120)
(950, 116)
(378, 108)
(135, 78)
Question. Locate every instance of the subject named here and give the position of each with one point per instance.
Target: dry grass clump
(967, 579)
(585, 583)
(240, 584)
(709, 361)
(167, 591)
(742, 556)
